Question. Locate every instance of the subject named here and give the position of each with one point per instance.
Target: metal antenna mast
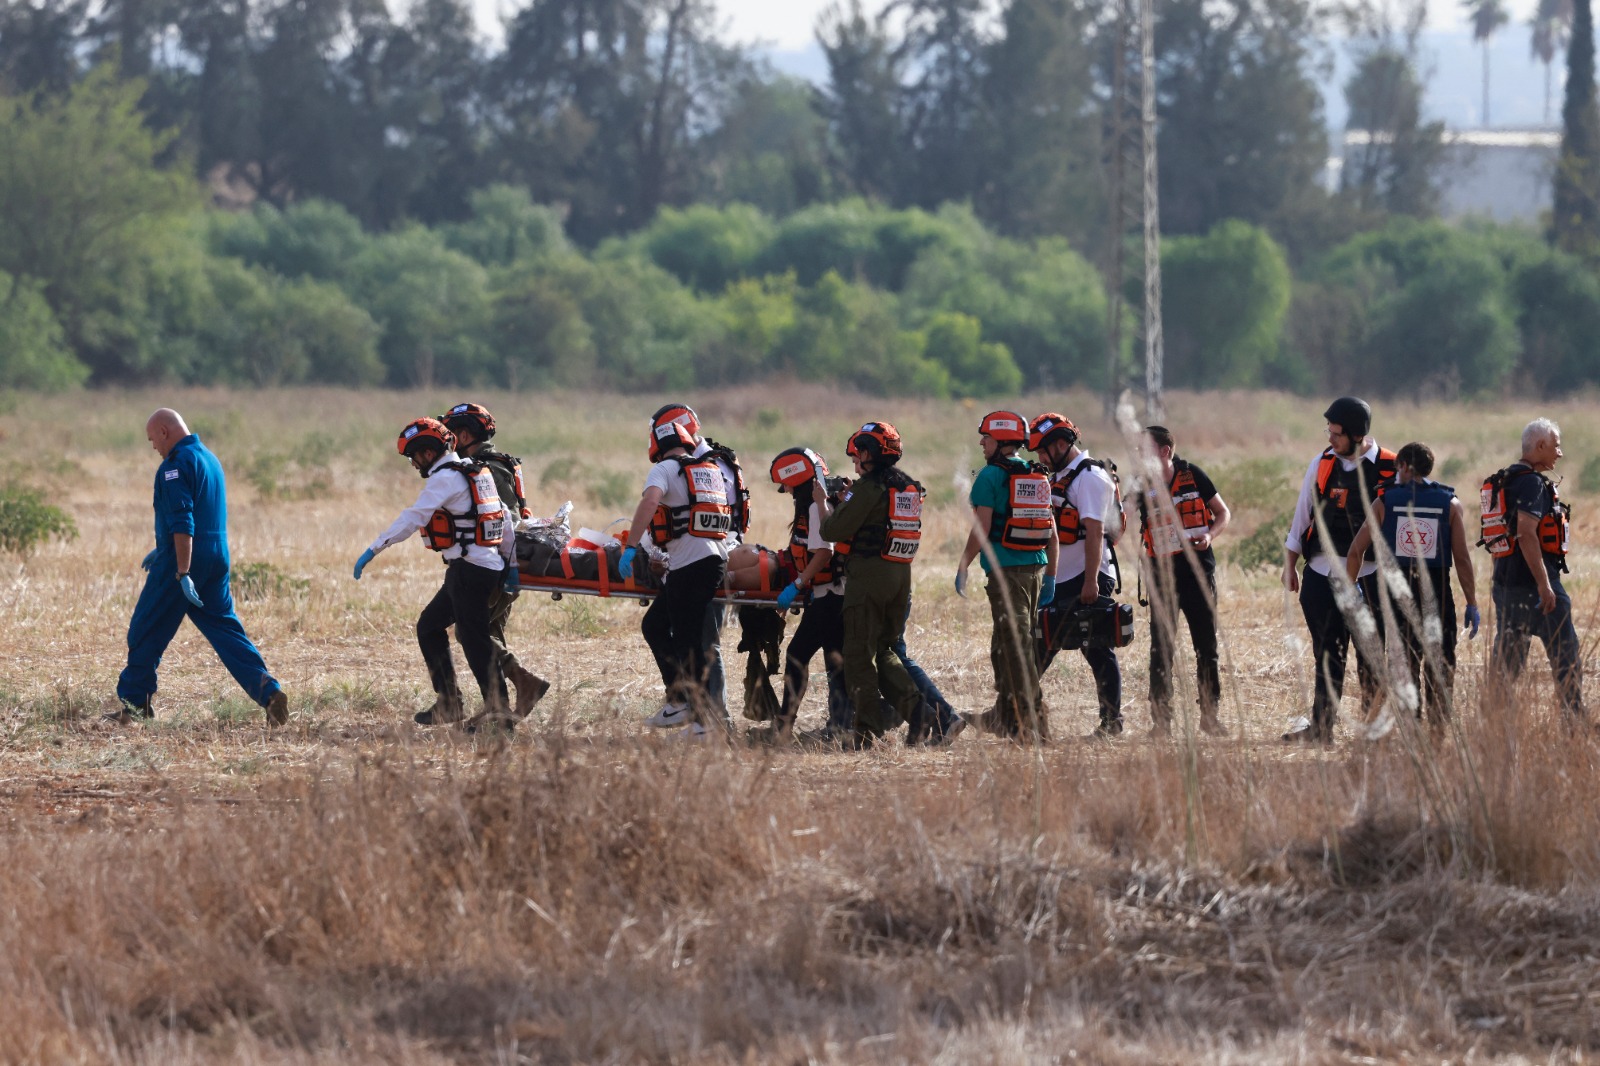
(1131, 179)
(1154, 356)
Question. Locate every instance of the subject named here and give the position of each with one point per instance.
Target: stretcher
(565, 574)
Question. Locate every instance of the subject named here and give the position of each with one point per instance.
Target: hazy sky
(784, 24)
(787, 24)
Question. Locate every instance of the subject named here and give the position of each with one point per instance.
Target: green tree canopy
(1225, 297)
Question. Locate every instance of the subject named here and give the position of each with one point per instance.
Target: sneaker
(1211, 725)
(1161, 729)
(278, 709)
(1307, 734)
(670, 716)
(693, 733)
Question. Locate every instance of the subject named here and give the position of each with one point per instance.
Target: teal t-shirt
(989, 490)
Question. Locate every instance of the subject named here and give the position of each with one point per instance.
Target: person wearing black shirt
(1529, 600)
(1179, 507)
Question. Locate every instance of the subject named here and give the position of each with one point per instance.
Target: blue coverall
(190, 497)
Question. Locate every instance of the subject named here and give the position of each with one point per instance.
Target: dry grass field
(353, 888)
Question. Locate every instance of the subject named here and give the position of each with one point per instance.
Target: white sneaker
(693, 733)
(670, 716)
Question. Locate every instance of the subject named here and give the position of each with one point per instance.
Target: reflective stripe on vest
(1026, 521)
(1161, 533)
(483, 526)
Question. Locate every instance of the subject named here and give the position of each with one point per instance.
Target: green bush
(314, 239)
(432, 303)
(1224, 300)
(33, 350)
(1262, 549)
(705, 247)
(26, 521)
(259, 581)
(507, 227)
(1424, 306)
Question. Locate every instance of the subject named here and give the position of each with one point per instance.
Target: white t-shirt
(1094, 494)
(815, 542)
(446, 490)
(667, 476)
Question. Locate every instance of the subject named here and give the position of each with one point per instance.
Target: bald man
(188, 576)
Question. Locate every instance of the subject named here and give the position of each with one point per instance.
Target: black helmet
(1350, 414)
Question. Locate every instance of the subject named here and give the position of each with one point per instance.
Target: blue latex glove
(786, 597)
(149, 561)
(186, 583)
(361, 563)
(1474, 619)
(1047, 591)
(513, 583)
(625, 564)
(961, 583)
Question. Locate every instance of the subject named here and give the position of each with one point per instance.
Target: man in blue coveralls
(189, 576)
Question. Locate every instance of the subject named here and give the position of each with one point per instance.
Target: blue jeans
(1517, 620)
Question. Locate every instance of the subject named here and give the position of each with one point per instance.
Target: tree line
(316, 190)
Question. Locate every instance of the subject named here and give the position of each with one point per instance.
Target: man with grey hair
(188, 577)
(1525, 529)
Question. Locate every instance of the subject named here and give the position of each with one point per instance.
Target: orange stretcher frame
(627, 589)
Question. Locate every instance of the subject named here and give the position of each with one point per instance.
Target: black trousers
(676, 628)
(1432, 667)
(464, 602)
(1176, 589)
(1330, 646)
(821, 629)
(1102, 661)
(1517, 620)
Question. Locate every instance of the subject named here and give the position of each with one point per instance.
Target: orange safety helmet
(421, 431)
(677, 412)
(1048, 427)
(794, 467)
(476, 415)
(877, 437)
(669, 435)
(1007, 427)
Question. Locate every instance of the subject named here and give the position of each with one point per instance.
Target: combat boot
(447, 708)
(530, 688)
(278, 709)
(128, 712)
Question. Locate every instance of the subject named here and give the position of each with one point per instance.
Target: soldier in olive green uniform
(474, 428)
(881, 522)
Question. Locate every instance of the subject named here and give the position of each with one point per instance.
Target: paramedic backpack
(1497, 532)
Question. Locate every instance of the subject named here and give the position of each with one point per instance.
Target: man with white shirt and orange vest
(694, 506)
(474, 429)
(1335, 493)
(1088, 517)
(1180, 510)
(460, 516)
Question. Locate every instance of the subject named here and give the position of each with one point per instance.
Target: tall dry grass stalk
(350, 888)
